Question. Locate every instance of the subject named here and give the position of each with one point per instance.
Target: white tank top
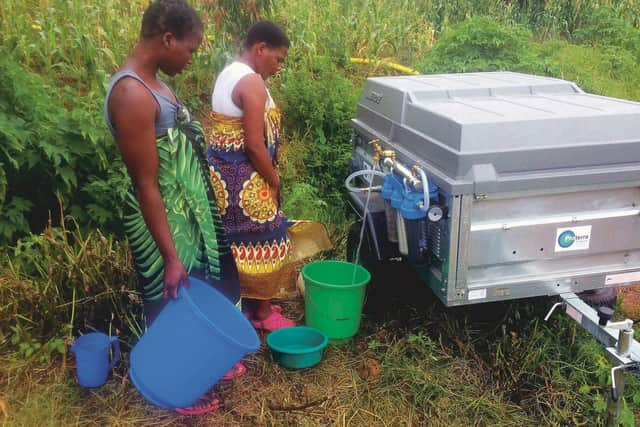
(221, 101)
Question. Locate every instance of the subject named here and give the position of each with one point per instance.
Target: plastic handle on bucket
(116, 351)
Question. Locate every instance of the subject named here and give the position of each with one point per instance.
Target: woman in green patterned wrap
(171, 216)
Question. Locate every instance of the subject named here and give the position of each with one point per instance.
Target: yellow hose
(385, 63)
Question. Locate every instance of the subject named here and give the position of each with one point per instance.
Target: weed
(49, 151)
(64, 282)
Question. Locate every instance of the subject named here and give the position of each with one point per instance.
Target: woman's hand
(174, 274)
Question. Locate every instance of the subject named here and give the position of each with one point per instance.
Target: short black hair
(170, 16)
(267, 32)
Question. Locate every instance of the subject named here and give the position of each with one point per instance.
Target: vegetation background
(65, 266)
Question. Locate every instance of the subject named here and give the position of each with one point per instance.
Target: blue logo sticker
(566, 238)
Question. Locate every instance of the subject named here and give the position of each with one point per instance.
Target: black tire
(600, 297)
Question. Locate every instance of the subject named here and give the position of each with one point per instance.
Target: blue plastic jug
(193, 342)
(92, 358)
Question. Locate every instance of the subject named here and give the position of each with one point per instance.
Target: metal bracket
(631, 367)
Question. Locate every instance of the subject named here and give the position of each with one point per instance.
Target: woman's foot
(204, 405)
(237, 371)
(274, 307)
(272, 322)
(267, 316)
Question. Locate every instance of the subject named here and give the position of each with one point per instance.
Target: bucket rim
(255, 345)
(330, 285)
(308, 350)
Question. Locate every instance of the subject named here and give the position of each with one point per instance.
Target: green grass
(494, 366)
(609, 71)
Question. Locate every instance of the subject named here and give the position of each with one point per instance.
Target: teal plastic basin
(297, 347)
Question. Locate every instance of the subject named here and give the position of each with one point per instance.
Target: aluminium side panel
(524, 245)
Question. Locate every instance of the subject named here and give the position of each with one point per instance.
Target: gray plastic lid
(502, 130)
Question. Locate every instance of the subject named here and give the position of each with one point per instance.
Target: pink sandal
(276, 308)
(237, 371)
(272, 322)
(204, 405)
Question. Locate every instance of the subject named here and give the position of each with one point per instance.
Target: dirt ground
(629, 301)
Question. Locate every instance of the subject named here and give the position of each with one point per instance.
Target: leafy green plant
(320, 102)
(302, 201)
(480, 44)
(29, 346)
(603, 27)
(49, 150)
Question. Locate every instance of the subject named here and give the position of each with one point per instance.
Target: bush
(603, 27)
(47, 150)
(302, 202)
(610, 71)
(319, 102)
(480, 44)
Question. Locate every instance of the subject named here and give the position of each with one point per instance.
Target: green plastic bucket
(334, 293)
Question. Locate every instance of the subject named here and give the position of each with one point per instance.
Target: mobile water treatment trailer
(500, 185)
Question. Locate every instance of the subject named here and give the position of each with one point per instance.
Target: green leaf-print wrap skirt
(193, 218)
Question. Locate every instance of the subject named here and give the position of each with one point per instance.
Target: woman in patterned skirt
(242, 150)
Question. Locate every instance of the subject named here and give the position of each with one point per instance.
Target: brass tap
(377, 149)
(379, 153)
(388, 153)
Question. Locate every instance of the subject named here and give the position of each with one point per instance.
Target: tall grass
(73, 43)
(63, 281)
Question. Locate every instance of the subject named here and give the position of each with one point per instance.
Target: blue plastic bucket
(192, 343)
(92, 358)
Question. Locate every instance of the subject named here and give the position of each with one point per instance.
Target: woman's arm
(251, 96)
(133, 109)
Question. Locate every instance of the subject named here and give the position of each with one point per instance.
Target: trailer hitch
(621, 349)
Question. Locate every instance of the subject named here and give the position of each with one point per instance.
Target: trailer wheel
(600, 297)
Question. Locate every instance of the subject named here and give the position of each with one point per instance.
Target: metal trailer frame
(518, 160)
(621, 349)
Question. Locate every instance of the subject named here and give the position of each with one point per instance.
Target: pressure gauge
(435, 213)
